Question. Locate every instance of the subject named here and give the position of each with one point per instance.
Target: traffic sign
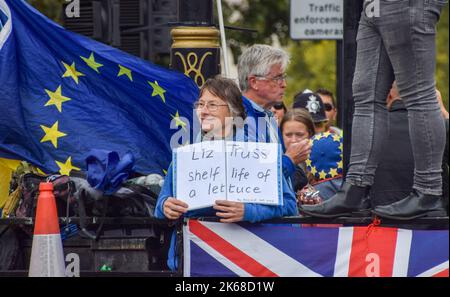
(316, 19)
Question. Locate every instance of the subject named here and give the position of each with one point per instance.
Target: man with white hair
(262, 79)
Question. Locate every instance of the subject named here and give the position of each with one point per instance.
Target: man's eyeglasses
(328, 107)
(278, 79)
(211, 106)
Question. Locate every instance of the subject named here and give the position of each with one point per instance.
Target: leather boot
(350, 200)
(414, 206)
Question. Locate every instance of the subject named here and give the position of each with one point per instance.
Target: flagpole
(222, 35)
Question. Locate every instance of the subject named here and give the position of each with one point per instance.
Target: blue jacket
(254, 111)
(252, 212)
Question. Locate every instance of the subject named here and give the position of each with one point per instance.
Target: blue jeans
(398, 43)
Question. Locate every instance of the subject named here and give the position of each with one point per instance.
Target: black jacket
(394, 175)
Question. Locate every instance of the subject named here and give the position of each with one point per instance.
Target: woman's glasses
(211, 106)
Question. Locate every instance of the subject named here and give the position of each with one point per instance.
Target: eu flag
(62, 94)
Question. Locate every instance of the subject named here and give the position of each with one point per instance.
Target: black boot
(350, 200)
(414, 206)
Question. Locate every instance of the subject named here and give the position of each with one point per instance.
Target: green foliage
(313, 66)
(51, 8)
(313, 62)
(442, 53)
(267, 17)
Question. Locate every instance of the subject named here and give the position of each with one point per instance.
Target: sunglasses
(278, 106)
(328, 107)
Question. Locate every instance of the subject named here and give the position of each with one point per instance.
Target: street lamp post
(195, 49)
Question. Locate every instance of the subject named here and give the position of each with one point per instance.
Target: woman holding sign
(219, 101)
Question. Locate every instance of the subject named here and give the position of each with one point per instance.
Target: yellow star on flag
(326, 134)
(341, 147)
(56, 98)
(52, 134)
(322, 174)
(340, 165)
(125, 71)
(41, 172)
(317, 137)
(92, 63)
(165, 171)
(157, 90)
(67, 167)
(336, 137)
(72, 72)
(333, 172)
(308, 162)
(178, 121)
(313, 170)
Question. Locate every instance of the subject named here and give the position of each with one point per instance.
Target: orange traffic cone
(47, 257)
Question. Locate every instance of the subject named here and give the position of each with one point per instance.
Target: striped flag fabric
(263, 250)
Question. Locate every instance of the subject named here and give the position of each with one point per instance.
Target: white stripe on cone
(47, 257)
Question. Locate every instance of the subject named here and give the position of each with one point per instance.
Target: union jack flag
(262, 250)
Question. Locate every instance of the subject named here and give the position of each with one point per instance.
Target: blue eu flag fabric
(62, 94)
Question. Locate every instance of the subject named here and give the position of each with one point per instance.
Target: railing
(135, 223)
(427, 221)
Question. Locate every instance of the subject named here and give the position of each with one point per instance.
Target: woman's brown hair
(300, 115)
(227, 90)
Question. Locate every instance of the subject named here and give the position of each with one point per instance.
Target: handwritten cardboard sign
(247, 172)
